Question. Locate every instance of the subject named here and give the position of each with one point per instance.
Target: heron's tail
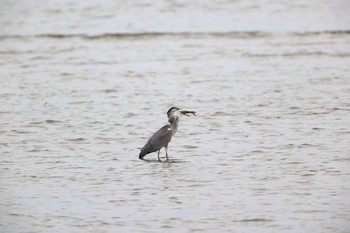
(142, 154)
(145, 150)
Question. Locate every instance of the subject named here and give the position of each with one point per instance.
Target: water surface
(84, 85)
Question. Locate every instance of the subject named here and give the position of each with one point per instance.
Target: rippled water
(84, 85)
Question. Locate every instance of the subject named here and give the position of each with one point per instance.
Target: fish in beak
(187, 112)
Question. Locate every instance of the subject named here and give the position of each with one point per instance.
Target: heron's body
(163, 136)
(159, 139)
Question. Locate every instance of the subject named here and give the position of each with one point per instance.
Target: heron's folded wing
(162, 136)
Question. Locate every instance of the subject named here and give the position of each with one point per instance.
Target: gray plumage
(163, 136)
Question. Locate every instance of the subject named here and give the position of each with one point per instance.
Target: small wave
(109, 90)
(303, 145)
(144, 35)
(327, 32)
(185, 34)
(53, 121)
(77, 139)
(21, 131)
(297, 54)
(255, 220)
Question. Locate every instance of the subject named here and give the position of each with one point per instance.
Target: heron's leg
(158, 155)
(166, 152)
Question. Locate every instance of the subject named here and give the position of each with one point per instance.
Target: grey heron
(163, 136)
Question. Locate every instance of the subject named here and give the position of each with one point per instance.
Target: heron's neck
(174, 123)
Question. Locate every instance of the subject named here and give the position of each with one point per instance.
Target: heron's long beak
(187, 112)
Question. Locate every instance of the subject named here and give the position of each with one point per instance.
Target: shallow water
(267, 152)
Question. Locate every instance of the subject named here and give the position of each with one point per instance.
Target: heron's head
(178, 111)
